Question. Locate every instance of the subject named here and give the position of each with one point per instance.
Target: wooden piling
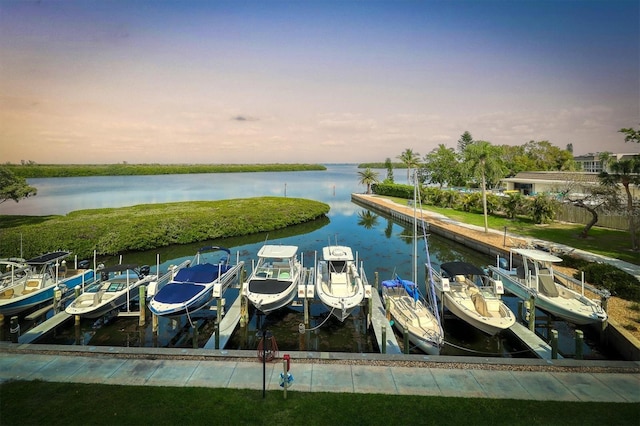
(532, 313)
(195, 335)
(143, 306)
(384, 339)
(14, 329)
(405, 334)
(579, 343)
(554, 344)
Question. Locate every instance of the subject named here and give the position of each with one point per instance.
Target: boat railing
(578, 285)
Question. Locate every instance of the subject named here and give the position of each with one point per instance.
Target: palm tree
(625, 172)
(483, 159)
(368, 177)
(410, 159)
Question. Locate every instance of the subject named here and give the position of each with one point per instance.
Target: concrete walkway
(219, 369)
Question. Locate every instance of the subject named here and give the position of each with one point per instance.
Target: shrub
(617, 281)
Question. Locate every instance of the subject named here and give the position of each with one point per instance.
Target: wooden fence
(573, 214)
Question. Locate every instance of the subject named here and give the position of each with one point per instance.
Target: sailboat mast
(415, 231)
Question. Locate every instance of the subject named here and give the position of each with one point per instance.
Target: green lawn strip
(145, 227)
(604, 241)
(74, 170)
(38, 403)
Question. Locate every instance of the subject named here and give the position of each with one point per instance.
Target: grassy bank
(71, 170)
(604, 241)
(149, 226)
(38, 403)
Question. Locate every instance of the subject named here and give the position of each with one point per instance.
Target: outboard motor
(83, 264)
(144, 270)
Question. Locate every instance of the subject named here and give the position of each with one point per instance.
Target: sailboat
(408, 309)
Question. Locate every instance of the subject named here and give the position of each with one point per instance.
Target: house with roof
(532, 183)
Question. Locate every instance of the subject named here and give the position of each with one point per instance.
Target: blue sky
(311, 81)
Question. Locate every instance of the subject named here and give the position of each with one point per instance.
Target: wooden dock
(378, 321)
(43, 328)
(537, 346)
(228, 324)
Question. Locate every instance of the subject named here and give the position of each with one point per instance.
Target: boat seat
(547, 286)
(480, 305)
(7, 294)
(31, 286)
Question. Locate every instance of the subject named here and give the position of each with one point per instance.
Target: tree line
(482, 165)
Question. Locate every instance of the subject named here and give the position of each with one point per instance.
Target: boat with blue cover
(193, 287)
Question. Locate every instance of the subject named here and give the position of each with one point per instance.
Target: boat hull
(266, 303)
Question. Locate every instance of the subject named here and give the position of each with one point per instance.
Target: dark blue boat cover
(204, 273)
(188, 282)
(178, 292)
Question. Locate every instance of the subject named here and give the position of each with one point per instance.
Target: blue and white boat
(195, 286)
(34, 282)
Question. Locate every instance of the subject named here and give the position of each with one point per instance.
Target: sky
(311, 81)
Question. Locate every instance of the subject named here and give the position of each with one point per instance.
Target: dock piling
(14, 329)
(384, 339)
(579, 342)
(554, 344)
(142, 298)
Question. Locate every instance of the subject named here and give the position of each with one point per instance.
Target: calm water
(383, 246)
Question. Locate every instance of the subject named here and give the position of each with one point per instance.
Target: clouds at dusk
(312, 81)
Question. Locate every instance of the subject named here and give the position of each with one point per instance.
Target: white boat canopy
(537, 255)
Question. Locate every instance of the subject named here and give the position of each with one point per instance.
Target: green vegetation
(381, 165)
(466, 208)
(37, 403)
(148, 226)
(31, 170)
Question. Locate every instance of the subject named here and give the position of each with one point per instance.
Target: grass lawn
(608, 242)
(38, 403)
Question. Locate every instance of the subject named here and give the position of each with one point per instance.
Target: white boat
(274, 279)
(408, 309)
(338, 283)
(551, 289)
(24, 285)
(195, 286)
(119, 284)
(472, 295)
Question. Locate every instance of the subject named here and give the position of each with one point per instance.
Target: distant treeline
(381, 166)
(73, 170)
